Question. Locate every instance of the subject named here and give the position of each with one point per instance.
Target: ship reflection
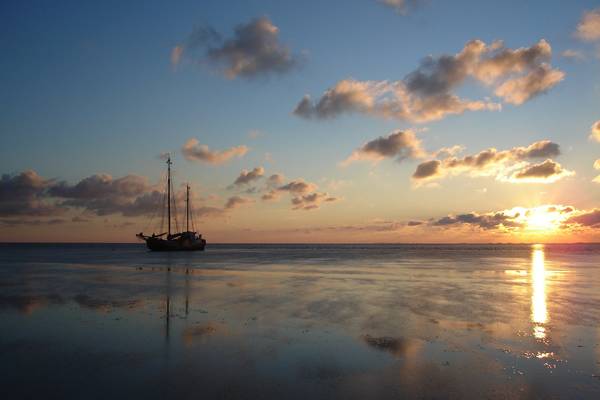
(168, 299)
(539, 311)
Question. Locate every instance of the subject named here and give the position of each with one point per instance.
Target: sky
(339, 121)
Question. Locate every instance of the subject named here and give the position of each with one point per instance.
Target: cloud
(32, 222)
(275, 180)
(573, 55)
(589, 27)
(254, 50)
(312, 201)
(540, 219)
(102, 185)
(374, 226)
(102, 194)
(487, 221)
(428, 169)
(548, 219)
(271, 195)
(589, 218)
(545, 172)
(164, 155)
(596, 167)
(402, 7)
(508, 165)
(304, 195)
(194, 151)
(595, 131)
(247, 177)
(255, 134)
(237, 201)
(428, 93)
(518, 90)
(176, 55)
(26, 194)
(208, 212)
(298, 186)
(399, 145)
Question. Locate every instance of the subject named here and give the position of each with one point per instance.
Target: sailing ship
(187, 240)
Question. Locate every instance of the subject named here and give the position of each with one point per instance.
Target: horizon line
(331, 243)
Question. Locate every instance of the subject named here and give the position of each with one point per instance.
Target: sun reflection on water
(539, 311)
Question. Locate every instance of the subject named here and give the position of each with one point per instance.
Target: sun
(543, 219)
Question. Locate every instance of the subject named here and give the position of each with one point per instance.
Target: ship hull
(158, 244)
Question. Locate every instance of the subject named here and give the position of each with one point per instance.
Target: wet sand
(348, 322)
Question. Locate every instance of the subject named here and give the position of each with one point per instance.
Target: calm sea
(300, 321)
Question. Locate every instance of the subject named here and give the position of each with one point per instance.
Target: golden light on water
(539, 310)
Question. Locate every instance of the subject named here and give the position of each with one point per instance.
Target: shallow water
(300, 321)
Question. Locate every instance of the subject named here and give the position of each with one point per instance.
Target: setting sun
(543, 220)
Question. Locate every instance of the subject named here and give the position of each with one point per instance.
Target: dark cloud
(102, 186)
(102, 194)
(275, 180)
(400, 145)
(26, 194)
(237, 201)
(547, 171)
(254, 50)
(271, 195)
(298, 186)
(311, 201)
(519, 90)
(541, 149)
(32, 222)
(304, 195)
(428, 93)
(247, 177)
(427, 169)
(414, 223)
(194, 151)
(483, 221)
(589, 218)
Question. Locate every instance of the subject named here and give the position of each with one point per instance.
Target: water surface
(300, 321)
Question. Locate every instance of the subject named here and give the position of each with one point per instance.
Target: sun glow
(543, 219)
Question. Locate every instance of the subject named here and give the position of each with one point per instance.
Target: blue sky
(89, 87)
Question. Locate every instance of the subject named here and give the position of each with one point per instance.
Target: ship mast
(187, 208)
(169, 195)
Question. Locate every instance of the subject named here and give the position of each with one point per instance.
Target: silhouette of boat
(180, 241)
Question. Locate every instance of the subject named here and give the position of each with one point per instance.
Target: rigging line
(175, 208)
(193, 218)
(162, 216)
(163, 206)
